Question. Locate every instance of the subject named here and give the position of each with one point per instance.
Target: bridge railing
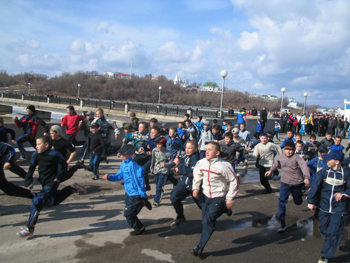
(166, 110)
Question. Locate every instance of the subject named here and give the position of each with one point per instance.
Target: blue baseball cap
(333, 155)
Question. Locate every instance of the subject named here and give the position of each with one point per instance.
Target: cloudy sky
(302, 45)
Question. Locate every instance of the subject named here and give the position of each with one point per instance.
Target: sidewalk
(90, 227)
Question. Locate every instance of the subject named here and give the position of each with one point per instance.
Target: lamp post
(29, 88)
(224, 74)
(160, 89)
(283, 91)
(78, 91)
(305, 95)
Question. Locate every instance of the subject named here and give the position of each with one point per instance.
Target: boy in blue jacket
(330, 192)
(134, 184)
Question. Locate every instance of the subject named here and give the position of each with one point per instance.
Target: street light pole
(283, 91)
(305, 95)
(29, 88)
(224, 74)
(78, 91)
(160, 89)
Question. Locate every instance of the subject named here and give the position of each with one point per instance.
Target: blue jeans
(133, 206)
(49, 194)
(95, 161)
(22, 139)
(285, 191)
(160, 180)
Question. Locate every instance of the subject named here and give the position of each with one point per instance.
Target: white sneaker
(78, 187)
(22, 158)
(25, 232)
(322, 259)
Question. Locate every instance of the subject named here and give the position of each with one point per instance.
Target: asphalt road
(90, 227)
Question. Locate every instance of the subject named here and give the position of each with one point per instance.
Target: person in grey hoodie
(206, 137)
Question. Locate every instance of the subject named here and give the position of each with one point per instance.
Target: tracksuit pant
(133, 206)
(22, 139)
(263, 179)
(49, 194)
(285, 191)
(331, 225)
(180, 192)
(160, 180)
(212, 209)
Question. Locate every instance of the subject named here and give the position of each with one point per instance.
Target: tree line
(136, 89)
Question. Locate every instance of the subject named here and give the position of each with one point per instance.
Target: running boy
(330, 192)
(162, 161)
(291, 180)
(185, 166)
(52, 169)
(211, 176)
(135, 192)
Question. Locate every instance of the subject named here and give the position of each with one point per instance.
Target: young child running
(330, 192)
(185, 166)
(95, 145)
(52, 169)
(135, 192)
(291, 180)
(162, 161)
(211, 175)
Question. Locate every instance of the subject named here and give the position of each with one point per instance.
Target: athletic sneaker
(78, 187)
(282, 227)
(178, 221)
(155, 205)
(322, 259)
(138, 232)
(25, 232)
(22, 158)
(96, 177)
(245, 165)
(194, 251)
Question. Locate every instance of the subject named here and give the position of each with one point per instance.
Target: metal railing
(174, 110)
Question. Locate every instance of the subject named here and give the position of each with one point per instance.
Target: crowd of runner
(204, 153)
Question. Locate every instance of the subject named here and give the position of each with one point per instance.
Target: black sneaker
(282, 227)
(138, 232)
(80, 165)
(96, 177)
(195, 251)
(178, 221)
(146, 203)
(229, 212)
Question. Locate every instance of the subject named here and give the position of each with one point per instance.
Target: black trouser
(180, 192)
(284, 127)
(12, 189)
(71, 138)
(70, 173)
(133, 206)
(263, 179)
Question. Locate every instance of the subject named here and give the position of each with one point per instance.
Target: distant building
(292, 104)
(108, 75)
(179, 81)
(210, 86)
(269, 97)
(122, 76)
(195, 88)
(254, 95)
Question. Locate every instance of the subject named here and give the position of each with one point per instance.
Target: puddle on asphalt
(270, 223)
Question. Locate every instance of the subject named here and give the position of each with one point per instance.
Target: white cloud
(102, 27)
(248, 40)
(171, 52)
(77, 46)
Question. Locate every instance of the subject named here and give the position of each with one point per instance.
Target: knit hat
(161, 140)
(289, 145)
(31, 107)
(56, 128)
(95, 125)
(88, 113)
(322, 148)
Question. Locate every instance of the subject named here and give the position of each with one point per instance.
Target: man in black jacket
(263, 118)
(254, 112)
(346, 127)
(284, 119)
